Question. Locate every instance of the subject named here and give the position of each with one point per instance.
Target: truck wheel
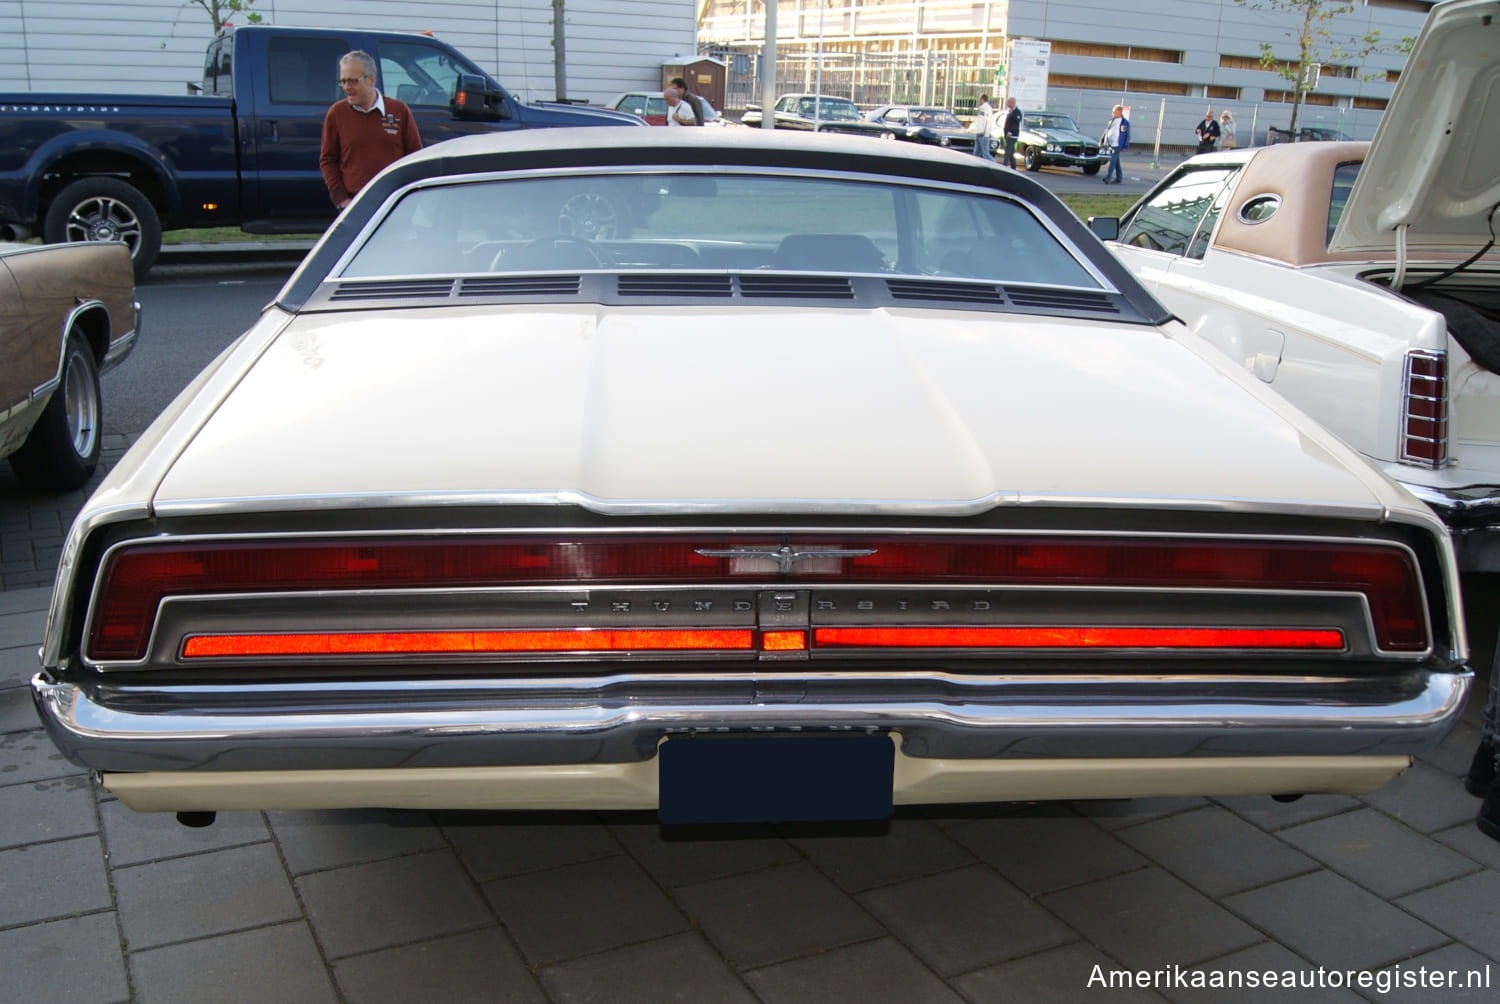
(1032, 158)
(595, 214)
(63, 447)
(105, 209)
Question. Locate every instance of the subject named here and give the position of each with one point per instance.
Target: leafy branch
(219, 10)
(1317, 43)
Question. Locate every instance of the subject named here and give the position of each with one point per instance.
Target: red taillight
(1079, 637)
(1424, 416)
(137, 577)
(476, 642)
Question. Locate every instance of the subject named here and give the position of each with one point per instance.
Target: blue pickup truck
(244, 151)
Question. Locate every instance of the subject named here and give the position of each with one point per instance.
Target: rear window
(737, 222)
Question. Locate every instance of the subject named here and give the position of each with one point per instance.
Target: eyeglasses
(351, 81)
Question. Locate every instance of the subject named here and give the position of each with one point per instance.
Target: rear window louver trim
(1060, 299)
(522, 285)
(402, 289)
(797, 287)
(675, 285)
(946, 291)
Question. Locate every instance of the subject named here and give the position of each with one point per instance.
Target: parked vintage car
(650, 107)
(811, 113)
(1304, 134)
(1359, 281)
(796, 502)
(67, 314)
(1051, 139)
(933, 126)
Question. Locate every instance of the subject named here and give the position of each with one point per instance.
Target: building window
(1100, 51)
(1223, 93)
(1415, 6)
(1311, 98)
(1378, 104)
(1115, 85)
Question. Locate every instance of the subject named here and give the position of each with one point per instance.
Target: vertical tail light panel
(1424, 411)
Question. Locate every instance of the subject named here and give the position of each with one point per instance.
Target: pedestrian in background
(1012, 131)
(1208, 132)
(702, 111)
(1226, 129)
(679, 112)
(1117, 139)
(363, 133)
(982, 124)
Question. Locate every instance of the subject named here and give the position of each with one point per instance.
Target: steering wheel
(553, 252)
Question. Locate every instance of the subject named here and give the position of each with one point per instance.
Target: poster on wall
(1028, 73)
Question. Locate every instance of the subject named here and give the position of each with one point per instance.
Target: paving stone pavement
(1011, 902)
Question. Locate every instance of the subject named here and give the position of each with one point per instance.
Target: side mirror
(1106, 228)
(474, 98)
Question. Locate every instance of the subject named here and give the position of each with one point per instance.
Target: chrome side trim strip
(621, 719)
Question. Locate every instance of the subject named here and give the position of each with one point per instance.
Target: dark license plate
(775, 778)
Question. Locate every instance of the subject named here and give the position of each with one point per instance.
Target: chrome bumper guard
(1473, 517)
(621, 719)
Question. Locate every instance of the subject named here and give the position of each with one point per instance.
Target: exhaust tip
(197, 820)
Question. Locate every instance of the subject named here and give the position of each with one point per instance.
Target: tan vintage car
(67, 314)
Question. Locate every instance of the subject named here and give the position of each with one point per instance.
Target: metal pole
(768, 84)
(559, 53)
(1161, 118)
(818, 76)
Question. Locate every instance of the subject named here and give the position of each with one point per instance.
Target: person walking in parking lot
(982, 123)
(1208, 132)
(679, 112)
(1226, 128)
(1011, 131)
(1117, 139)
(363, 133)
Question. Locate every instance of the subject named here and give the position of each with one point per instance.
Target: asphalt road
(189, 314)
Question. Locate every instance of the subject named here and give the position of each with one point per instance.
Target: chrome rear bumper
(1473, 517)
(468, 723)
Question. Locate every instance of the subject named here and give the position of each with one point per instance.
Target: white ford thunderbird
(847, 474)
(1361, 280)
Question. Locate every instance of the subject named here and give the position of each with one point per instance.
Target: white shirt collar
(378, 106)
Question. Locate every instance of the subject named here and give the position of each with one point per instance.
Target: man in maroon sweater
(364, 133)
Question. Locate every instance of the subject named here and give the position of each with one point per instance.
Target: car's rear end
(735, 517)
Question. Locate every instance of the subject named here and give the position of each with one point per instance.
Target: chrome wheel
(101, 218)
(80, 391)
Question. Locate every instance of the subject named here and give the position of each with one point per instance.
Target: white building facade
(1169, 60)
(157, 46)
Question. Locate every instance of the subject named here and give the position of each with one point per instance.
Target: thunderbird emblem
(785, 557)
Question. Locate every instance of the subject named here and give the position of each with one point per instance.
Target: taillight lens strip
(1424, 412)
(1286, 639)
(138, 576)
(475, 642)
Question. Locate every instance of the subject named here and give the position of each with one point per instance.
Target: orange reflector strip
(436, 642)
(1078, 637)
(784, 641)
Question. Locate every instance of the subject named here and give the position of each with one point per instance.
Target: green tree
(219, 10)
(1317, 43)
